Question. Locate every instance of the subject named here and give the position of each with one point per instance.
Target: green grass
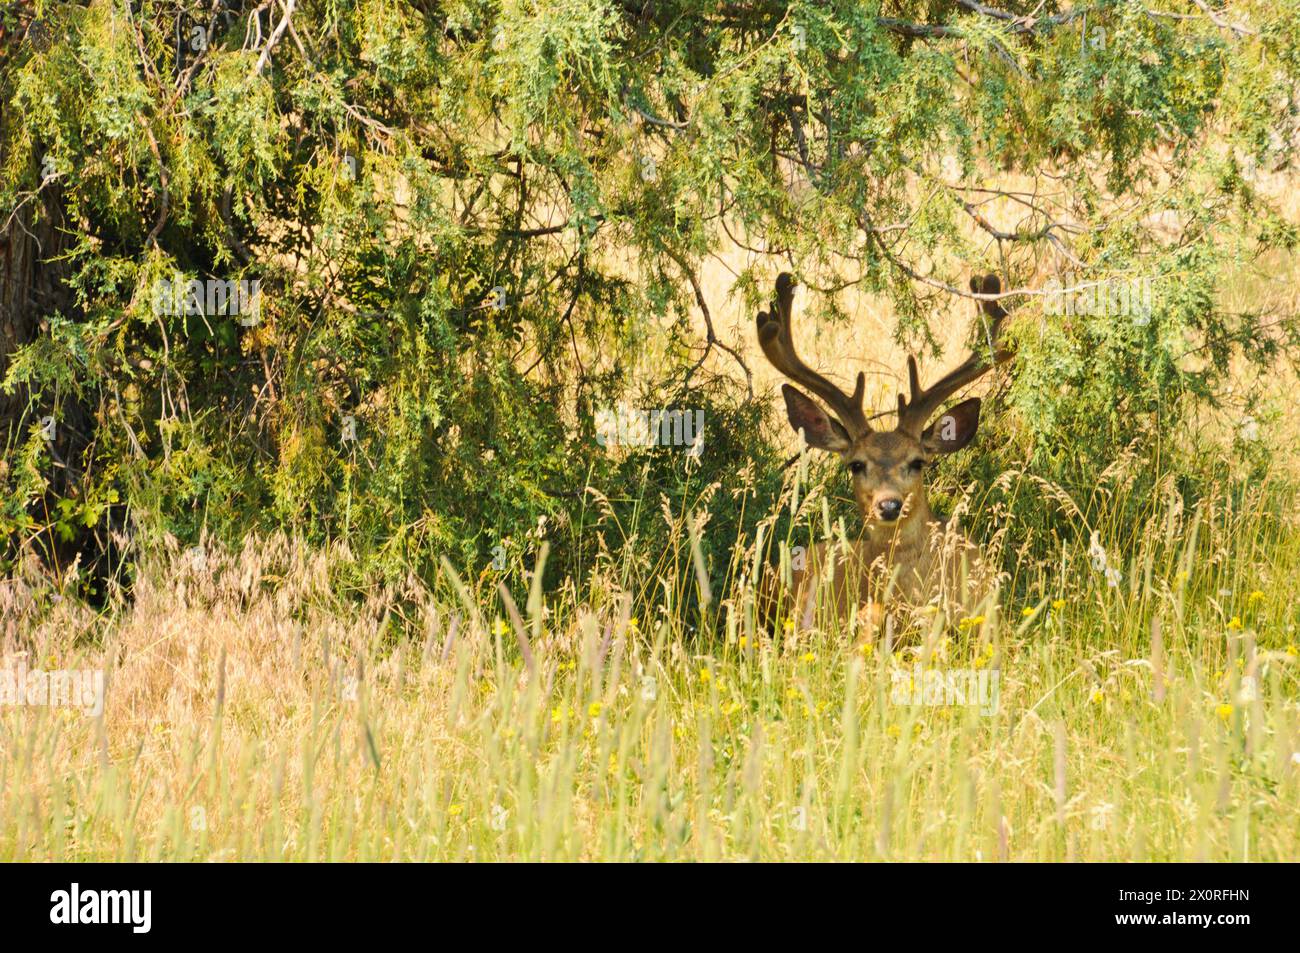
(255, 714)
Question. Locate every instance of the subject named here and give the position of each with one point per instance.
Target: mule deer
(904, 552)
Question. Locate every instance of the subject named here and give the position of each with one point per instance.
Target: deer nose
(889, 509)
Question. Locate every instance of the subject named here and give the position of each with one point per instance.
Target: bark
(33, 284)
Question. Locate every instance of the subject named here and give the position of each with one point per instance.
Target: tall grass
(254, 712)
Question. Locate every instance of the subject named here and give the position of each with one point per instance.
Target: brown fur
(914, 560)
(904, 555)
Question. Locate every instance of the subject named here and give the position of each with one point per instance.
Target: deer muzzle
(889, 509)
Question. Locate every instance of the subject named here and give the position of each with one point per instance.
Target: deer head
(887, 467)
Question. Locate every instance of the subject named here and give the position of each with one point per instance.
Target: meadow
(254, 712)
(354, 572)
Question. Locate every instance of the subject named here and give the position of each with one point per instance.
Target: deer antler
(778, 344)
(915, 413)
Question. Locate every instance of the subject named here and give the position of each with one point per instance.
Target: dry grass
(254, 713)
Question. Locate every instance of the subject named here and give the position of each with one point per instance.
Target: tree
(465, 218)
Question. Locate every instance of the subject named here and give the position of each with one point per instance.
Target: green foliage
(475, 225)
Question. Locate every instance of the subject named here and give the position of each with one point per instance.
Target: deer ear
(953, 429)
(820, 430)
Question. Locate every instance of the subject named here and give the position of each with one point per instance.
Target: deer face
(887, 468)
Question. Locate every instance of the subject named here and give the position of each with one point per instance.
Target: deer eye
(856, 467)
(917, 465)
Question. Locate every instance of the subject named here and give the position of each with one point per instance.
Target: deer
(904, 553)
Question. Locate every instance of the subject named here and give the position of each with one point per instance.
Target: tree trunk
(32, 284)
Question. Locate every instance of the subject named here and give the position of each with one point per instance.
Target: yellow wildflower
(1234, 623)
(810, 657)
(594, 709)
(1255, 596)
(455, 810)
(1291, 650)
(1224, 711)
(1058, 604)
(705, 675)
(893, 731)
(1026, 612)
